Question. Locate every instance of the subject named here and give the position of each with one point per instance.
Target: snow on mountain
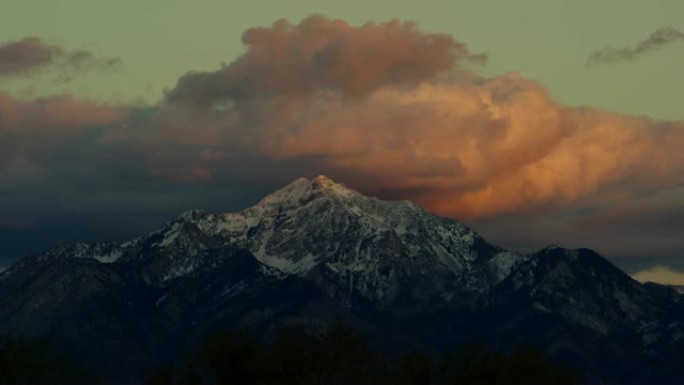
(316, 248)
(318, 223)
(320, 227)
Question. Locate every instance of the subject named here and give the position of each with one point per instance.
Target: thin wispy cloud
(655, 41)
(662, 275)
(32, 55)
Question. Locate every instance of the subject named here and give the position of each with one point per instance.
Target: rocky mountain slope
(315, 250)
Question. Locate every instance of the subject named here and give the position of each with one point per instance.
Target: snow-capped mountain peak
(303, 190)
(321, 224)
(317, 226)
(316, 248)
(322, 182)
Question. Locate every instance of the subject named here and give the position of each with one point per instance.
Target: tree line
(341, 356)
(338, 356)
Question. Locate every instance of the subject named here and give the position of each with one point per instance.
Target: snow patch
(271, 272)
(108, 258)
(300, 266)
(178, 272)
(541, 307)
(502, 264)
(235, 289)
(171, 235)
(160, 300)
(128, 244)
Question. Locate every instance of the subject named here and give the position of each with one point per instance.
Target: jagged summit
(324, 181)
(296, 193)
(304, 189)
(313, 224)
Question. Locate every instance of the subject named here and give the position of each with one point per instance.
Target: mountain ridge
(315, 249)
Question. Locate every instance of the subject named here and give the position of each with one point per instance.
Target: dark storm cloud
(656, 40)
(32, 55)
(32, 132)
(632, 230)
(639, 235)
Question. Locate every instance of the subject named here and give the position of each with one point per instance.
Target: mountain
(315, 250)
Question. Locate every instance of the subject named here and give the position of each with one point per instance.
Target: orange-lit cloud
(386, 108)
(390, 108)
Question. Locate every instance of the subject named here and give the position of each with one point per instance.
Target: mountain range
(316, 250)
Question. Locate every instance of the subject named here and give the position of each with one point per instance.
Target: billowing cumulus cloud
(396, 111)
(387, 108)
(656, 40)
(31, 55)
(319, 54)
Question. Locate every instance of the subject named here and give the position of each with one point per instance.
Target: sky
(534, 122)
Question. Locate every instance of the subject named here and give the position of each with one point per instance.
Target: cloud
(660, 274)
(397, 112)
(321, 54)
(387, 108)
(26, 55)
(656, 40)
(635, 231)
(3, 268)
(31, 55)
(47, 139)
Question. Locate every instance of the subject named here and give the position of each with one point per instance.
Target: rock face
(315, 250)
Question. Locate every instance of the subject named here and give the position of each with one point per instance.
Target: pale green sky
(547, 40)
